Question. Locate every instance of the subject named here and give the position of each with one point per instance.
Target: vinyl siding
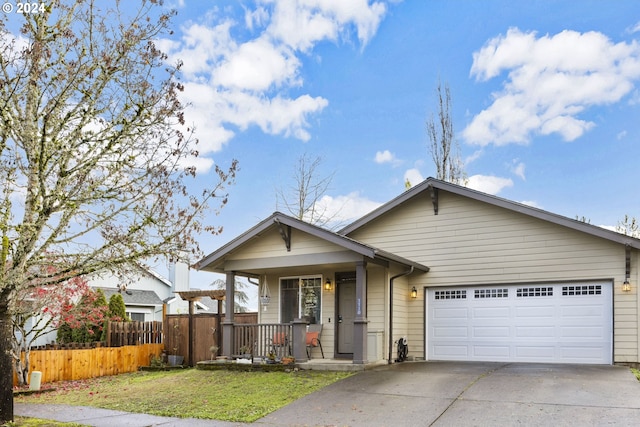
(376, 299)
(272, 245)
(471, 242)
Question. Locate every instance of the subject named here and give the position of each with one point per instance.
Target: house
(462, 275)
(146, 295)
(145, 292)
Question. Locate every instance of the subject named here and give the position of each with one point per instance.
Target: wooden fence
(133, 333)
(68, 365)
(206, 333)
(132, 344)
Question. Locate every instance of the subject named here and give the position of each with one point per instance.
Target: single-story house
(462, 275)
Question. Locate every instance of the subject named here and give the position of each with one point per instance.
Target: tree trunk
(17, 366)
(23, 372)
(6, 366)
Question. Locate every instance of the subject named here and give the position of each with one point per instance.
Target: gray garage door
(550, 323)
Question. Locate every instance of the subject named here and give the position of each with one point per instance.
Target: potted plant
(214, 351)
(156, 362)
(288, 360)
(245, 352)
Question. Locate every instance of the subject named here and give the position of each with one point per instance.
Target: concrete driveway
(471, 394)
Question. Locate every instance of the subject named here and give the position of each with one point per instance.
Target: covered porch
(311, 280)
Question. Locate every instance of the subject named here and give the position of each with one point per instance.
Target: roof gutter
(406, 273)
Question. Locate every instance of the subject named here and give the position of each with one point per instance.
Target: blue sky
(546, 104)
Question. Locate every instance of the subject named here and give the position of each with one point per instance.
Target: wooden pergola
(193, 296)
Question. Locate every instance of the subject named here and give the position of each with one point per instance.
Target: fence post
(108, 334)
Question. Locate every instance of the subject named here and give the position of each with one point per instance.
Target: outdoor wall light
(327, 285)
(414, 293)
(626, 286)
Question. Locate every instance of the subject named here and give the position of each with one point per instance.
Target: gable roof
(134, 296)
(156, 275)
(432, 185)
(214, 260)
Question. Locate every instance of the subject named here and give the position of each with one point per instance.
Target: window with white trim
(301, 297)
(136, 317)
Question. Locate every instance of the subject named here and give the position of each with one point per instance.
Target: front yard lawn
(191, 393)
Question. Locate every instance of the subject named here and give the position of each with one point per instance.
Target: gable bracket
(434, 198)
(285, 232)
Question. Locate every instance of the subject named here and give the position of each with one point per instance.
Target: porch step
(337, 365)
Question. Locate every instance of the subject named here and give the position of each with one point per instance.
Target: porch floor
(343, 365)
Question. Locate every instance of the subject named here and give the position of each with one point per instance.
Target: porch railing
(260, 340)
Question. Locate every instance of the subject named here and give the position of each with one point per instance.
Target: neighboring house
(141, 305)
(145, 293)
(461, 274)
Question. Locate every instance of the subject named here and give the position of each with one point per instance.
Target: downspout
(406, 273)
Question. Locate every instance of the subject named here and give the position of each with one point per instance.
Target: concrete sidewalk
(430, 394)
(108, 418)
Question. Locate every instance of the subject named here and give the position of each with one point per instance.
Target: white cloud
(257, 66)
(489, 184)
(634, 29)
(473, 157)
(232, 84)
(255, 18)
(202, 164)
(550, 81)
(384, 157)
(531, 203)
(413, 176)
(346, 208)
(301, 24)
(517, 168)
(621, 135)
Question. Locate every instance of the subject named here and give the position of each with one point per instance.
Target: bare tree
(93, 148)
(629, 226)
(443, 146)
(302, 199)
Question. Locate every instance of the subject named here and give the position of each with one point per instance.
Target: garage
(546, 323)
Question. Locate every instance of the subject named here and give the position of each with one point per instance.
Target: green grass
(33, 422)
(220, 395)
(636, 372)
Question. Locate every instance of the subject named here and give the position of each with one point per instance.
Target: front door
(346, 309)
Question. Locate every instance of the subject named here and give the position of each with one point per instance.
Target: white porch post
(227, 324)
(360, 321)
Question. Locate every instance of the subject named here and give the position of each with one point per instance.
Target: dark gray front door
(346, 313)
